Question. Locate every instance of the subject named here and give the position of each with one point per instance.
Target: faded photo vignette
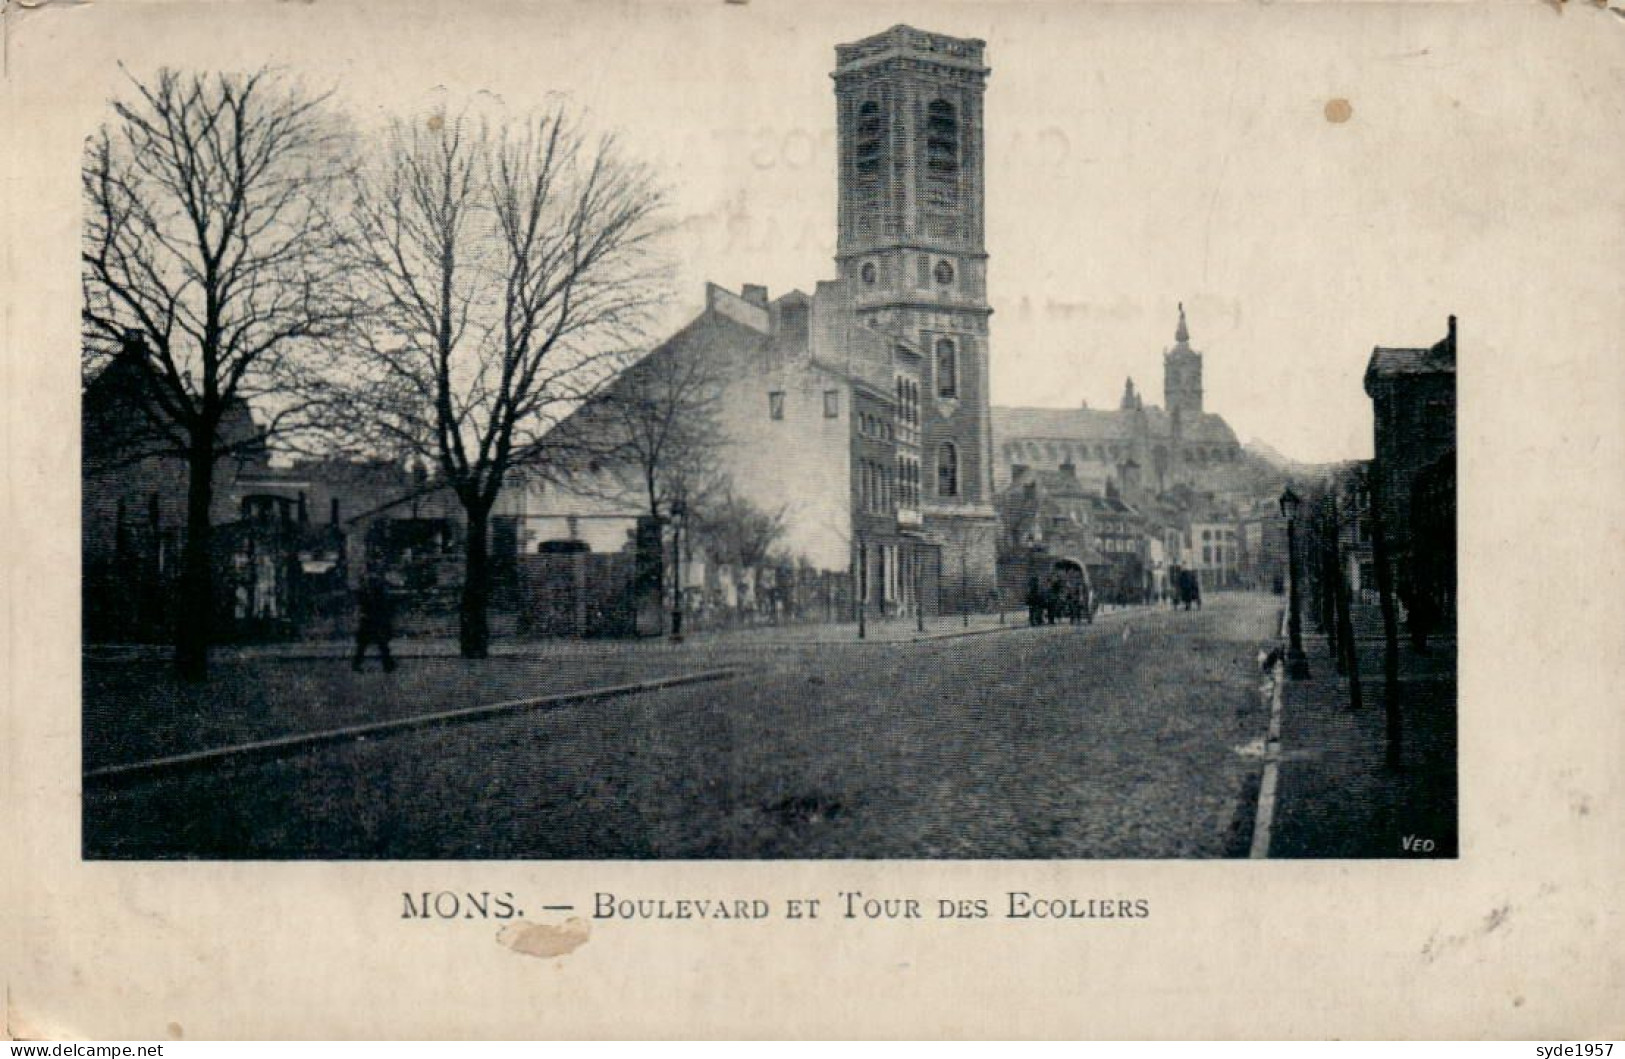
(568, 492)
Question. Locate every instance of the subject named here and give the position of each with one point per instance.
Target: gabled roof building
(861, 411)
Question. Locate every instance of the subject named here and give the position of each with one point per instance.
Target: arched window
(868, 141)
(947, 470)
(942, 152)
(947, 368)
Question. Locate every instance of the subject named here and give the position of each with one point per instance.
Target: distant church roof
(1093, 425)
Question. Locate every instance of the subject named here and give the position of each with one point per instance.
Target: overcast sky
(1137, 157)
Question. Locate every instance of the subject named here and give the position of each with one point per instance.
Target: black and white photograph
(428, 515)
(425, 513)
(524, 448)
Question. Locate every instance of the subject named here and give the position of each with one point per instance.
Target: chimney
(134, 343)
(1451, 336)
(754, 293)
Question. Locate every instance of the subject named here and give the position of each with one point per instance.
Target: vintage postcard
(693, 519)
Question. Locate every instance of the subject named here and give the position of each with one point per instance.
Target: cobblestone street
(1119, 739)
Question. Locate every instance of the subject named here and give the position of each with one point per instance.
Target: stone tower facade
(910, 250)
(1182, 374)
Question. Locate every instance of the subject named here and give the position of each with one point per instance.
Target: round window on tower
(868, 273)
(945, 273)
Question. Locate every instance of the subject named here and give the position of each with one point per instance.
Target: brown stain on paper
(1338, 111)
(545, 939)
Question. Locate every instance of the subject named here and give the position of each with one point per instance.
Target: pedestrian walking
(375, 622)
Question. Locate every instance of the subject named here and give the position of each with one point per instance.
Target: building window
(832, 404)
(775, 404)
(868, 273)
(923, 271)
(942, 152)
(947, 470)
(868, 145)
(947, 368)
(945, 273)
(1207, 555)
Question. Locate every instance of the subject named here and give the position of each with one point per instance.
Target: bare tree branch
(211, 266)
(506, 272)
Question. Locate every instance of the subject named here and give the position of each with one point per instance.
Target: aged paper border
(1521, 937)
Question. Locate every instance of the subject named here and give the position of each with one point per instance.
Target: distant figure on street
(375, 621)
(1035, 602)
(1190, 589)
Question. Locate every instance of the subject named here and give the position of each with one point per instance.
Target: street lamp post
(919, 593)
(1297, 664)
(860, 586)
(964, 588)
(678, 511)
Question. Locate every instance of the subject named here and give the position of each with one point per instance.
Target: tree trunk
(1331, 582)
(1390, 624)
(474, 627)
(194, 608)
(1349, 655)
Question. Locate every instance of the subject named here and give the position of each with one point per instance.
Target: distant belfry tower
(1182, 374)
(910, 249)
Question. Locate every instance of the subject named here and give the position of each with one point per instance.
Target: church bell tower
(910, 250)
(1182, 373)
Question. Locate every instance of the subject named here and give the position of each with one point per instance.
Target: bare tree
(654, 432)
(209, 263)
(507, 274)
(735, 532)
